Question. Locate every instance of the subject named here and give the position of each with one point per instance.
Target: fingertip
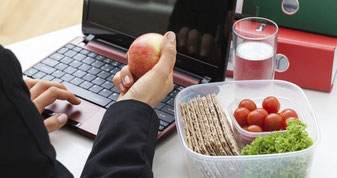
(62, 118)
(171, 36)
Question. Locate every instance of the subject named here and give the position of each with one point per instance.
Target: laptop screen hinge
(206, 79)
(88, 38)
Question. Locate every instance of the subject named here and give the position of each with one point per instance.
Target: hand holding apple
(144, 53)
(155, 84)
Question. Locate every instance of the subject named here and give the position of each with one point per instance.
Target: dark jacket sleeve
(124, 145)
(25, 149)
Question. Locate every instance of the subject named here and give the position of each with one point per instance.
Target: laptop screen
(203, 28)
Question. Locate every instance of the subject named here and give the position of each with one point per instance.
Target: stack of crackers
(207, 129)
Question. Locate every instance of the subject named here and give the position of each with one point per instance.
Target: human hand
(153, 86)
(44, 93)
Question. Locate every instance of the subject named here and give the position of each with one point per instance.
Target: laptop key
(115, 63)
(161, 128)
(93, 70)
(115, 89)
(67, 77)
(121, 66)
(105, 92)
(70, 53)
(103, 74)
(44, 68)
(56, 56)
(62, 50)
(85, 67)
(66, 60)
(107, 67)
(57, 80)
(39, 75)
(88, 77)
(108, 85)
(98, 81)
(163, 123)
(107, 60)
(174, 93)
(166, 99)
(91, 54)
(77, 49)
(50, 62)
(70, 46)
(76, 81)
(97, 64)
(58, 74)
(48, 78)
(95, 88)
(88, 60)
(79, 57)
(70, 70)
(79, 73)
(170, 102)
(86, 85)
(164, 116)
(88, 95)
(114, 96)
(110, 77)
(115, 70)
(61, 66)
(30, 72)
(75, 63)
(84, 51)
(99, 57)
(160, 105)
(168, 109)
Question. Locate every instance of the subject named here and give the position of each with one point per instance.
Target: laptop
(87, 64)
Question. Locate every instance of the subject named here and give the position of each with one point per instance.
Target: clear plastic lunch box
(229, 94)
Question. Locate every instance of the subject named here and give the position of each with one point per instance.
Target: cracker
(197, 128)
(220, 133)
(191, 129)
(209, 139)
(218, 148)
(226, 128)
(186, 125)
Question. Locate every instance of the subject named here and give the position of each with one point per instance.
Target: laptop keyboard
(89, 76)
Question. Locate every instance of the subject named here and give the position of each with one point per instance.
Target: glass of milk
(255, 45)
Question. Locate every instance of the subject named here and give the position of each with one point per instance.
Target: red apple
(144, 53)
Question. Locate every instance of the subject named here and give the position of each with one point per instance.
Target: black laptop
(87, 64)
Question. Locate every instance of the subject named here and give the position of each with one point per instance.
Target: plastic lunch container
(229, 94)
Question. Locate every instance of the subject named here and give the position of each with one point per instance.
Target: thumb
(168, 52)
(55, 122)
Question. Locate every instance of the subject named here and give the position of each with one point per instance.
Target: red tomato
(262, 111)
(255, 118)
(273, 122)
(271, 104)
(254, 128)
(247, 103)
(285, 121)
(240, 115)
(285, 114)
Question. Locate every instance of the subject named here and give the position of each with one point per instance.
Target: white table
(170, 160)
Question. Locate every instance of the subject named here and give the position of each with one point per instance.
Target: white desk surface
(170, 160)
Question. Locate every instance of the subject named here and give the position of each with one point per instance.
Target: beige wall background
(23, 19)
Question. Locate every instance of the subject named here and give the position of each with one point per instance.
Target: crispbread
(197, 129)
(207, 129)
(226, 128)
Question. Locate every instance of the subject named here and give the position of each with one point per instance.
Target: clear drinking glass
(255, 45)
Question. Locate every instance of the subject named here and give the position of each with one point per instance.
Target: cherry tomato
(254, 128)
(273, 122)
(271, 104)
(240, 115)
(255, 118)
(247, 103)
(286, 113)
(285, 121)
(262, 111)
